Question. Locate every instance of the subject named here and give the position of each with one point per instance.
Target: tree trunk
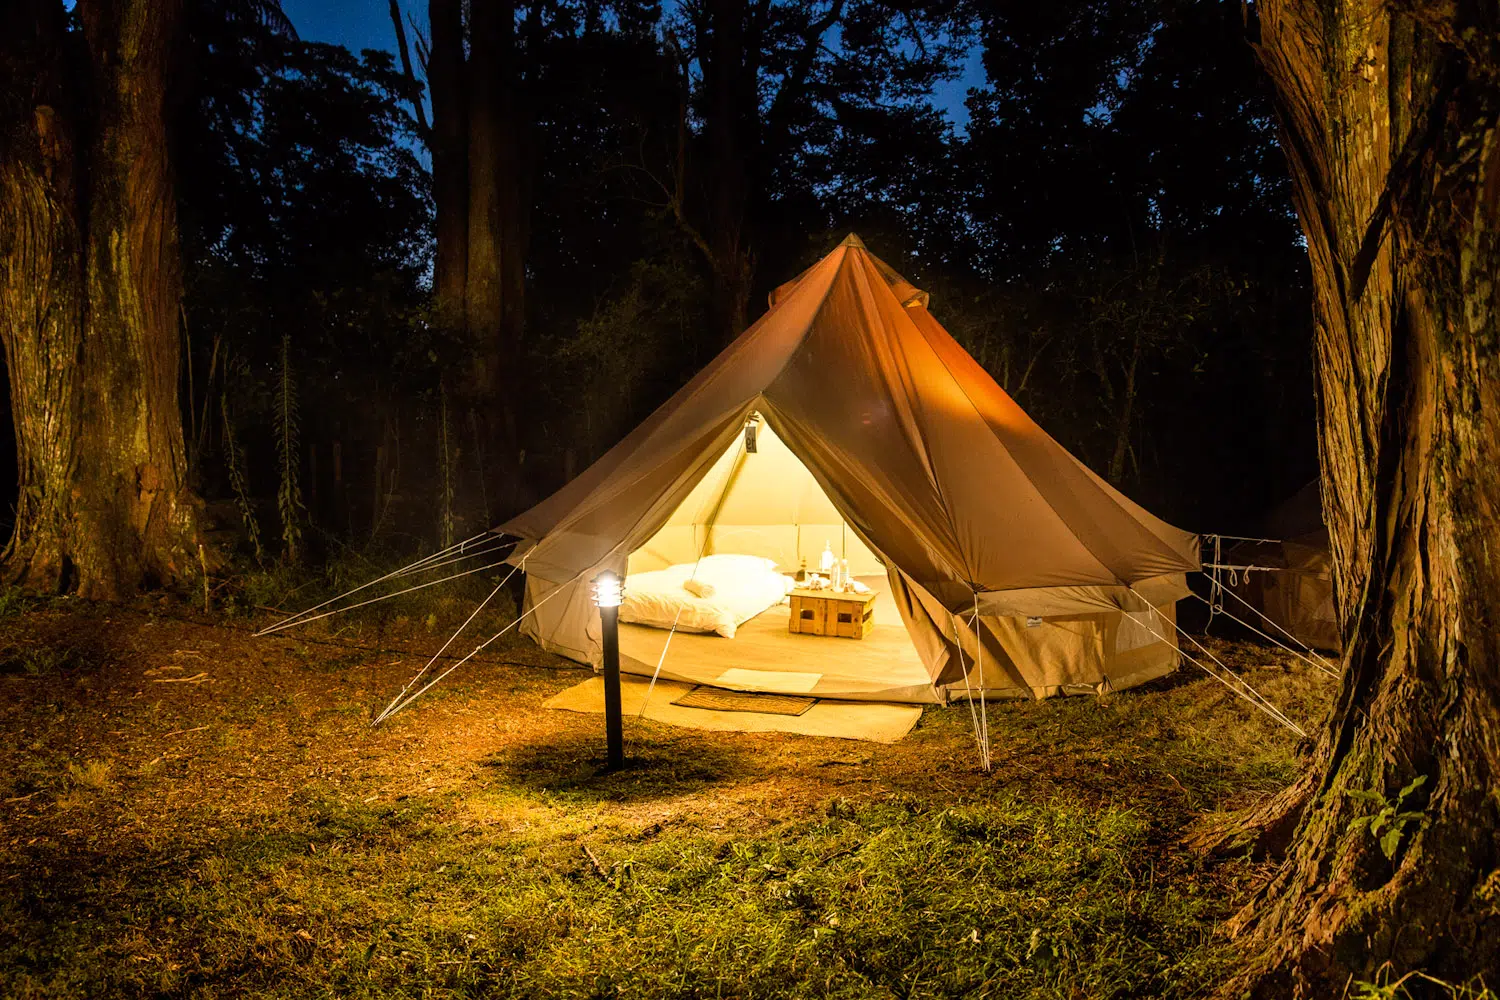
(1127, 413)
(1389, 122)
(495, 288)
(730, 105)
(450, 162)
(91, 288)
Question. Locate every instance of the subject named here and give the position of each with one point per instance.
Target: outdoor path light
(608, 592)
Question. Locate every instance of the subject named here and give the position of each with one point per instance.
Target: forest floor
(187, 810)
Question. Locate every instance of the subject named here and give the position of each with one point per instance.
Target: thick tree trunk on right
(1389, 115)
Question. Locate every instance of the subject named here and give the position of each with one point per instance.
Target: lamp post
(608, 592)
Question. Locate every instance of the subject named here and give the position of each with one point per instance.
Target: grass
(1388, 986)
(895, 897)
(252, 835)
(13, 601)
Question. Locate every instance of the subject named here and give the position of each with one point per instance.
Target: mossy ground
(187, 810)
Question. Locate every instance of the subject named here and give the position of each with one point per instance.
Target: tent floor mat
(764, 656)
(876, 722)
(719, 700)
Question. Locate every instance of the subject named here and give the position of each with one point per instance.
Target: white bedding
(743, 587)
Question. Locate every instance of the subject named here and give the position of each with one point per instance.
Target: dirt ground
(141, 746)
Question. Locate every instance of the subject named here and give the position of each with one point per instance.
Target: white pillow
(700, 588)
(733, 563)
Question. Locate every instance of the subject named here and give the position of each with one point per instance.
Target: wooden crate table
(832, 612)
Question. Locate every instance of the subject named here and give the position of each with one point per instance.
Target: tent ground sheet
(765, 656)
(849, 720)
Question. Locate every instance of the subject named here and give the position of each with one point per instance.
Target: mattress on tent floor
(765, 656)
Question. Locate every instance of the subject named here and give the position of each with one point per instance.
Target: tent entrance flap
(766, 503)
(762, 503)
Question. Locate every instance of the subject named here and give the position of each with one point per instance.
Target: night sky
(366, 24)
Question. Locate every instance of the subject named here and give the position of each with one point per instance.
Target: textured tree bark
(1389, 121)
(41, 287)
(91, 287)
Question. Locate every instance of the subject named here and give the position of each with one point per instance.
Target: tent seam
(1045, 499)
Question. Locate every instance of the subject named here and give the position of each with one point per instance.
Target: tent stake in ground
(608, 594)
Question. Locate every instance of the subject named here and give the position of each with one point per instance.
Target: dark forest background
(1111, 236)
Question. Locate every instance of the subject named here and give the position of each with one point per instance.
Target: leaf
(1416, 783)
(1390, 842)
(1365, 795)
(1359, 821)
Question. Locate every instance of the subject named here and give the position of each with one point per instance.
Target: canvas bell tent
(847, 417)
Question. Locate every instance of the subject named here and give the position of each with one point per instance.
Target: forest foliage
(1105, 226)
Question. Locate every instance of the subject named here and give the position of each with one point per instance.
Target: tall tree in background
(1389, 112)
(480, 141)
(89, 297)
(1137, 256)
(449, 145)
(777, 82)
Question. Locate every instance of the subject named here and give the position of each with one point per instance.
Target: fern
(288, 450)
(235, 460)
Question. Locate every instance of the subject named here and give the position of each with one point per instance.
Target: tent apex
(853, 240)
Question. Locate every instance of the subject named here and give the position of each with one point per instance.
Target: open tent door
(766, 503)
(757, 503)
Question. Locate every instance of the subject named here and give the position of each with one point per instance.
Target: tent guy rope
(393, 574)
(1244, 690)
(1319, 664)
(444, 649)
(436, 560)
(398, 706)
(383, 597)
(1278, 628)
(958, 643)
(984, 712)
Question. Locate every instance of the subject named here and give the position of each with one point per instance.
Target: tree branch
(794, 83)
(413, 88)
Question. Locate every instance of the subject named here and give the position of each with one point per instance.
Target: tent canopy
(917, 448)
(998, 544)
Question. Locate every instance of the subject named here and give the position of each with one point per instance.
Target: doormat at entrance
(720, 700)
